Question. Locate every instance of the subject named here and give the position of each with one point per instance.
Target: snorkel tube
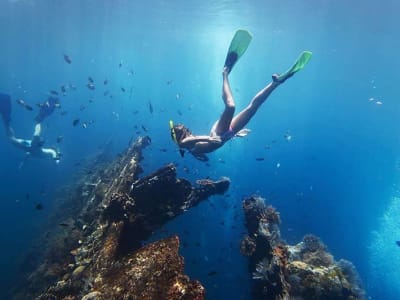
(173, 137)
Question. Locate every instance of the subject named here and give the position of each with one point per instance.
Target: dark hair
(181, 132)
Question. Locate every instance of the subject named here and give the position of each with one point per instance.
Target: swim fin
(5, 108)
(300, 63)
(240, 42)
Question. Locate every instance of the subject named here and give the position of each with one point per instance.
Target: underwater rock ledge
(303, 271)
(98, 252)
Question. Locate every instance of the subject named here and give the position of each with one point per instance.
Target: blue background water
(338, 174)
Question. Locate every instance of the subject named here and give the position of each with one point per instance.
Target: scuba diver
(229, 126)
(33, 147)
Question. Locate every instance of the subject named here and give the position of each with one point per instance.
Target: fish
(163, 150)
(168, 82)
(84, 125)
(144, 129)
(182, 152)
(90, 79)
(63, 224)
(122, 89)
(53, 92)
(91, 86)
(398, 243)
(59, 139)
(130, 73)
(82, 107)
(20, 102)
(106, 93)
(63, 89)
(151, 108)
(120, 64)
(28, 107)
(24, 105)
(75, 122)
(39, 206)
(67, 59)
(204, 182)
(260, 158)
(63, 113)
(105, 81)
(179, 112)
(212, 273)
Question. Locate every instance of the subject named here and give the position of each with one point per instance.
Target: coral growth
(305, 271)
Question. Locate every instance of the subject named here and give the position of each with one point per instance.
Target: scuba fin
(299, 64)
(239, 44)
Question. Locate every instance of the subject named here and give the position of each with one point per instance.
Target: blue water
(337, 176)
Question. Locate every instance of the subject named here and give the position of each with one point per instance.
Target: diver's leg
(225, 120)
(240, 121)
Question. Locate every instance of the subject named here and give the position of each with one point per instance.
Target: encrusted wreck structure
(303, 271)
(96, 249)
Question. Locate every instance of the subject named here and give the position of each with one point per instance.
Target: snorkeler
(229, 126)
(33, 147)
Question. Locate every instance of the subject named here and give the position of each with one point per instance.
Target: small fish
(178, 96)
(163, 150)
(91, 86)
(287, 136)
(27, 196)
(398, 243)
(260, 158)
(75, 122)
(105, 81)
(84, 125)
(28, 107)
(67, 59)
(63, 89)
(63, 113)
(278, 165)
(21, 102)
(59, 139)
(120, 64)
(106, 93)
(122, 89)
(204, 182)
(212, 273)
(63, 224)
(39, 206)
(90, 79)
(168, 82)
(82, 107)
(130, 73)
(182, 152)
(379, 102)
(24, 105)
(151, 108)
(144, 129)
(179, 112)
(53, 92)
